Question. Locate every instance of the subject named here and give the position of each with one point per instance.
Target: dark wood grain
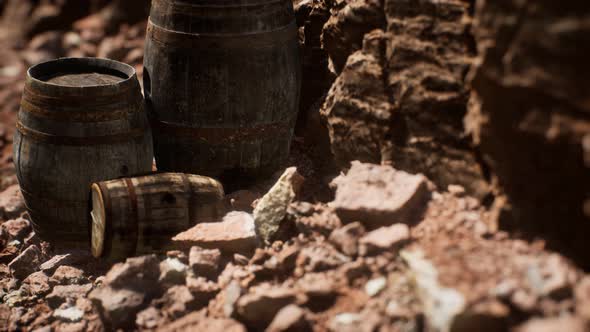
(145, 212)
(222, 84)
(84, 79)
(72, 132)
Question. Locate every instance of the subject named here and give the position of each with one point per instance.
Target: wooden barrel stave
(71, 136)
(144, 213)
(235, 17)
(222, 84)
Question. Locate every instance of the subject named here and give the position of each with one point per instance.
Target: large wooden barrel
(81, 120)
(141, 215)
(222, 81)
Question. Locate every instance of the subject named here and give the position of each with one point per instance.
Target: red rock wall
(530, 112)
(402, 96)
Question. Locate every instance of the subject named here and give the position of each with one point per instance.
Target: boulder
(234, 234)
(380, 195)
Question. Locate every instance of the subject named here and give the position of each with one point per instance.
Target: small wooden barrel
(81, 120)
(222, 81)
(140, 215)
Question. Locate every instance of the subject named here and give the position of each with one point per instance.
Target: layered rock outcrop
(401, 98)
(530, 113)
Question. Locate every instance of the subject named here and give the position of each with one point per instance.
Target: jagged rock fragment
(319, 219)
(197, 321)
(375, 286)
(384, 238)
(70, 314)
(564, 323)
(172, 272)
(139, 273)
(379, 195)
(259, 307)
(353, 322)
(56, 261)
(235, 233)
(205, 262)
(17, 229)
(68, 275)
(63, 293)
(12, 204)
(271, 209)
(38, 283)
(357, 108)
(177, 301)
(344, 31)
(203, 290)
(441, 305)
(582, 296)
(346, 238)
(289, 319)
(320, 257)
(118, 306)
(149, 318)
(25, 263)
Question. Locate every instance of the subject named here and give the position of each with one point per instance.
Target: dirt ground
(428, 139)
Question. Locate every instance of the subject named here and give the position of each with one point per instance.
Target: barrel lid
(80, 76)
(84, 79)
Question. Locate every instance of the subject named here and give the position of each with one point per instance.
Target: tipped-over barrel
(222, 80)
(81, 120)
(140, 215)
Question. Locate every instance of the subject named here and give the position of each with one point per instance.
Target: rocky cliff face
(406, 71)
(530, 112)
(402, 94)
(488, 96)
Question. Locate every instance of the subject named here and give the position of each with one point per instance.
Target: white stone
(346, 318)
(71, 314)
(375, 286)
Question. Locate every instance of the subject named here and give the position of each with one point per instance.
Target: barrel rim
(35, 72)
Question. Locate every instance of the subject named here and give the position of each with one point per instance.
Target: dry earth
(445, 103)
